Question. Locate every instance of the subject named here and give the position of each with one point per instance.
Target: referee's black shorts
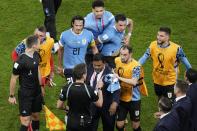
(133, 107)
(166, 91)
(29, 104)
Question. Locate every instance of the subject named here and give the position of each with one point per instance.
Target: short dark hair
(191, 75)
(97, 3)
(129, 48)
(165, 104)
(120, 17)
(79, 70)
(77, 17)
(31, 40)
(42, 28)
(182, 86)
(167, 30)
(98, 57)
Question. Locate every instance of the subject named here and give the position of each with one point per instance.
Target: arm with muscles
(94, 48)
(130, 29)
(146, 55)
(12, 99)
(182, 57)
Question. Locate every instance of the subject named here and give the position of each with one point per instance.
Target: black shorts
(166, 91)
(133, 107)
(29, 104)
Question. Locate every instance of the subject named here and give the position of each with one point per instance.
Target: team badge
(83, 41)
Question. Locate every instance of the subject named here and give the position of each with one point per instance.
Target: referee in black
(29, 93)
(79, 96)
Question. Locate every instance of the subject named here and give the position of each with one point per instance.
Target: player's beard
(160, 42)
(124, 60)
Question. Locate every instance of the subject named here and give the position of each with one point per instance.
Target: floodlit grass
(20, 17)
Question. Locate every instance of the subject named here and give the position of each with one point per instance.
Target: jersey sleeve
(20, 48)
(62, 95)
(136, 72)
(182, 57)
(17, 67)
(105, 36)
(146, 55)
(92, 42)
(61, 41)
(111, 19)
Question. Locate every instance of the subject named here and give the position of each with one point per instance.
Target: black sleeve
(17, 67)
(62, 95)
(93, 94)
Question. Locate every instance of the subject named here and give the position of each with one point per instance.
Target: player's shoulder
(87, 32)
(174, 44)
(117, 60)
(49, 39)
(136, 62)
(108, 13)
(66, 32)
(89, 16)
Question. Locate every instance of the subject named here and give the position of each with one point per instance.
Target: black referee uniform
(29, 93)
(79, 97)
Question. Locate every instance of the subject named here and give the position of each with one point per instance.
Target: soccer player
(130, 74)
(29, 94)
(73, 46)
(166, 56)
(46, 63)
(96, 22)
(113, 37)
(100, 20)
(50, 8)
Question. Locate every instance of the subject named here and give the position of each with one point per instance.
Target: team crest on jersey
(83, 41)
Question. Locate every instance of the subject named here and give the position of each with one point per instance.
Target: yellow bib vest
(125, 70)
(164, 61)
(45, 54)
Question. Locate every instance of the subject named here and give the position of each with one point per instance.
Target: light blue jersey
(75, 47)
(111, 40)
(136, 90)
(97, 26)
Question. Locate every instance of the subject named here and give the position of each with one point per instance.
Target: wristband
(129, 34)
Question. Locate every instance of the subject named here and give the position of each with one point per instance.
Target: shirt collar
(164, 115)
(180, 97)
(75, 33)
